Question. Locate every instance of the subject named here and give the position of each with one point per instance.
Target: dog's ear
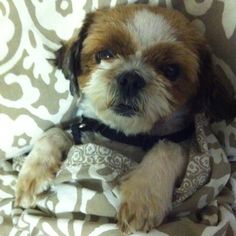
(69, 55)
(213, 97)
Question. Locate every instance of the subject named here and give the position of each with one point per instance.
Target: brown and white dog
(138, 69)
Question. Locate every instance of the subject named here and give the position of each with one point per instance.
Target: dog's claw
(142, 209)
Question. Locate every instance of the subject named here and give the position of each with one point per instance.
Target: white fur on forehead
(149, 28)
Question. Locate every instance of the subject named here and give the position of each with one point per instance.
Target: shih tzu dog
(141, 72)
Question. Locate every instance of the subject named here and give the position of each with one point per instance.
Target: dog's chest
(86, 110)
(134, 149)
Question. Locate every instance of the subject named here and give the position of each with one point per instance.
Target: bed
(84, 197)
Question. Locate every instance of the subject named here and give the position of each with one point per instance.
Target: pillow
(34, 94)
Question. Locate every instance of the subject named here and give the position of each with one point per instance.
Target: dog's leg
(41, 166)
(147, 190)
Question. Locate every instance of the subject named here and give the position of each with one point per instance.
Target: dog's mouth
(125, 110)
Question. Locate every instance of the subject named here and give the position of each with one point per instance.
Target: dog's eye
(103, 55)
(171, 71)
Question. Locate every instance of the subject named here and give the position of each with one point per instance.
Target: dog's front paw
(29, 185)
(143, 206)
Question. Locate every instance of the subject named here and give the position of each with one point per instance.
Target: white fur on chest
(173, 124)
(85, 109)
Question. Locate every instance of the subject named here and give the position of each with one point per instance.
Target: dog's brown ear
(213, 97)
(68, 56)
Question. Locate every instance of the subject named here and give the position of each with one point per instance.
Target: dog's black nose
(130, 83)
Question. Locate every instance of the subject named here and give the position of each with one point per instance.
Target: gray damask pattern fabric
(34, 95)
(84, 198)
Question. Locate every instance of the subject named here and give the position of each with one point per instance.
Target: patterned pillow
(34, 94)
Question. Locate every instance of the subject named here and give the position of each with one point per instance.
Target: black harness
(144, 141)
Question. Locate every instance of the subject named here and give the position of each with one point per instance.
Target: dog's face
(135, 65)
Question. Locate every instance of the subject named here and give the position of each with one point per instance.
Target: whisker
(111, 97)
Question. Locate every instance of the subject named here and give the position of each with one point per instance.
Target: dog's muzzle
(125, 110)
(129, 85)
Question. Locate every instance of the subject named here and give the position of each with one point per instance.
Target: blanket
(84, 197)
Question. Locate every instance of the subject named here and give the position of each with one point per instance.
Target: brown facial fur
(170, 53)
(106, 29)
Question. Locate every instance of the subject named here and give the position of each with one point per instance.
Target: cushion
(84, 196)
(34, 94)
